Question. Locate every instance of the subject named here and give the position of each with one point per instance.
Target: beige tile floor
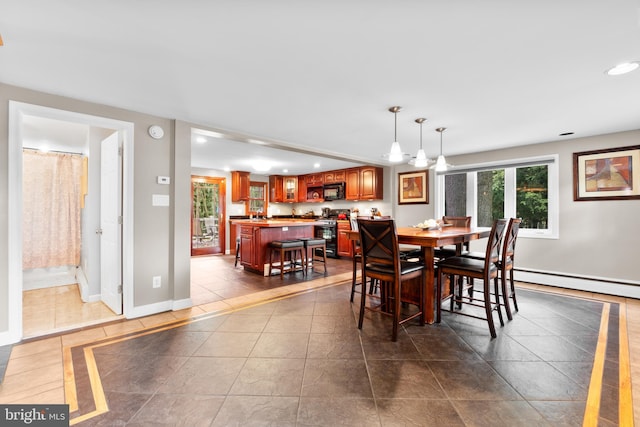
(35, 372)
(52, 310)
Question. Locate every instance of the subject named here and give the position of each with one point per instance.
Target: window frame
(553, 183)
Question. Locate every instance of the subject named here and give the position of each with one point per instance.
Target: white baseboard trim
(629, 289)
(149, 309)
(181, 304)
(40, 278)
(159, 307)
(83, 284)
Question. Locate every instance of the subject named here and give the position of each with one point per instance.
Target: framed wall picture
(607, 174)
(413, 187)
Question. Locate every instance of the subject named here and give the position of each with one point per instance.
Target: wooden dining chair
(505, 264)
(471, 268)
(381, 261)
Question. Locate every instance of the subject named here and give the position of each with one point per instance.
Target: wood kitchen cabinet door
(290, 189)
(352, 179)
(240, 186)
(344, 244)
(332, 177)
(276, 188)
(370, 183)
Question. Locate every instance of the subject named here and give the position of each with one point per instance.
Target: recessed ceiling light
(201, 139)
(623, 68)
(285, 170)
(226, 168)
(316, 165)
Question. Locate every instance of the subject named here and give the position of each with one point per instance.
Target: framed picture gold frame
(413, 187)
(607, 174)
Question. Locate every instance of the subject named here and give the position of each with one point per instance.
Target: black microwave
(333, 191)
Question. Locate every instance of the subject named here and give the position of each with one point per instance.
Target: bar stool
(237, 251)
(290, 248)
(314, 243)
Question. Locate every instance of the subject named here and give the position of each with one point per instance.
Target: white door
(110, 223)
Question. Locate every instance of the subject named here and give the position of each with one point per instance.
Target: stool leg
(282, 263)
(324, 259)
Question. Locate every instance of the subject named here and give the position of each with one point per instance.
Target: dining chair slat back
(472, 268)
(381, 262)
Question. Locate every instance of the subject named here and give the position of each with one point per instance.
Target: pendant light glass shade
(441, 163)
(395, 155)
(421, 160)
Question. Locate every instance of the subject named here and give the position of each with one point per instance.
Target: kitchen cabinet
(240, 183)
(276, 188)
(364, 183)
(310, 188)
(314, 179)
(255, 237)
(302, 188)
(344, 244)
(249, 241)
(332, 177)
(290, 189)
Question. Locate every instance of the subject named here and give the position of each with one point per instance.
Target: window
(525, 188)
(257, 203)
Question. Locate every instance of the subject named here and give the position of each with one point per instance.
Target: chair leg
(363, 295)
(396, 309)
(496, 288)
(235, 264)
(505, 295)
(487, 307)
(513, 290)
(438, 296)
(353, 278)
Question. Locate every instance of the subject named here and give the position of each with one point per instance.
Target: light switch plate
(160, 200)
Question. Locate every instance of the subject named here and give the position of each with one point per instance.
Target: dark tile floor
(301, 361)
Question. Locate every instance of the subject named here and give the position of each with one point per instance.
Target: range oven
(328, 230)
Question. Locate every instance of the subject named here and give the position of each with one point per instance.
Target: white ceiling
(320, 76)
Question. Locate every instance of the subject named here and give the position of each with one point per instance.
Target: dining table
(429, 240)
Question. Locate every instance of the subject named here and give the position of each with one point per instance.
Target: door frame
(222, 200)
(17, 110)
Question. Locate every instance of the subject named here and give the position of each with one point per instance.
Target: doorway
(98, 127)
(207, 215)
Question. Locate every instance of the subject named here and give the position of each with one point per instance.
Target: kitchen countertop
(281, 222)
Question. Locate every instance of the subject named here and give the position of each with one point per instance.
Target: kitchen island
(256, 234)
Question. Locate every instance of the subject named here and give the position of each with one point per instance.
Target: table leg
(429, 286)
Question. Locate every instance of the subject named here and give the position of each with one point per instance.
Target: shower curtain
(51, 187)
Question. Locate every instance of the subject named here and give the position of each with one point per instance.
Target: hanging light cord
(395, 126)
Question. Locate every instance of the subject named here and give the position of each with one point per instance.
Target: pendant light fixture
(441, 163)
(395, 155)
(421, 160)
